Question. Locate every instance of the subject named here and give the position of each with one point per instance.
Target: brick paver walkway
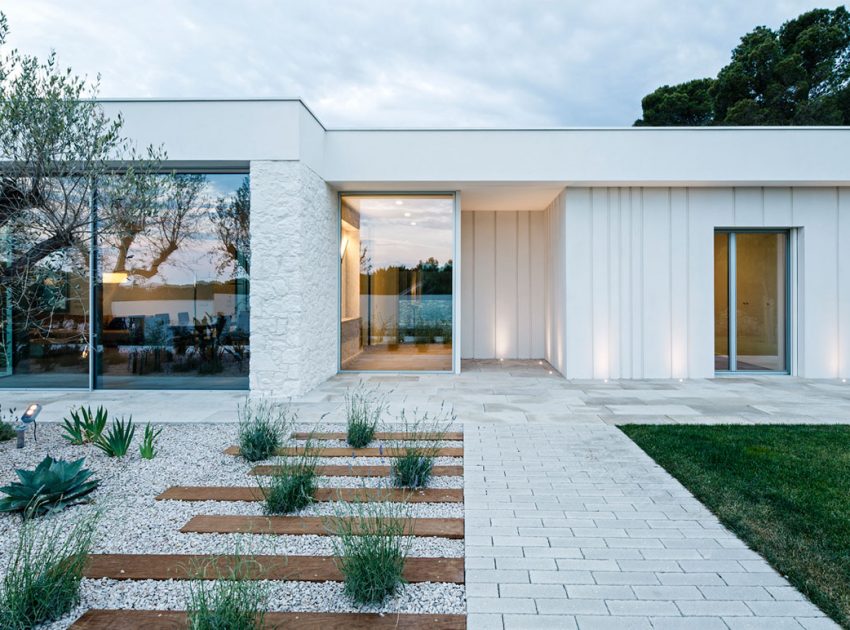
(574, 526)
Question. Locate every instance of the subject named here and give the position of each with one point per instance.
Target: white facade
(590, 248)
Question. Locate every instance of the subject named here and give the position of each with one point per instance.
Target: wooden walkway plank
(99, 619)
(322, 495)
(361, 471)
(341, 451)
(451, 436)
(302, 525)
(291, 568)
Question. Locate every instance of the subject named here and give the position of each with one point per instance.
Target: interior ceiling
(475, 196)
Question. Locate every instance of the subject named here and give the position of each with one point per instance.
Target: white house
(633, 253)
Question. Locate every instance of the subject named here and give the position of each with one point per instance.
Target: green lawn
(785, 490)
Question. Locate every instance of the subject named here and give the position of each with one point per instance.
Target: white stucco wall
(294, 285)
(502, 284)
(637, 298)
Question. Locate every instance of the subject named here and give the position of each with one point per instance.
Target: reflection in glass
(396, 282)
(721, 301)
(44, 289)
(760, 301)
(174, 286)
(758, 282)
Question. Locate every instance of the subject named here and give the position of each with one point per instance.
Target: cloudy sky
(399, 62)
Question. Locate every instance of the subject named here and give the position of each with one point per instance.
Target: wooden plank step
(300, 525)
(361, 471)
(452, 436)
(292, 568)
(341, 451)
(249, 493)
(100, 619)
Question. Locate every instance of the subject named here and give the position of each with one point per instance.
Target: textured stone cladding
(294, 286)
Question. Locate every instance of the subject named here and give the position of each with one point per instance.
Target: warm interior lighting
(114, 277)
(342, 247)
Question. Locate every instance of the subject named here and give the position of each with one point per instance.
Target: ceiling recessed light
(407, 214)
(413, 223)
(399, 202)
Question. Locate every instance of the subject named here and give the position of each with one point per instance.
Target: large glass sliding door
(396, 297)
(751, 301)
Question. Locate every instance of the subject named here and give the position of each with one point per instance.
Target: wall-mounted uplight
(399, 202)
(407, 214)
(413, 223)
(28, 418)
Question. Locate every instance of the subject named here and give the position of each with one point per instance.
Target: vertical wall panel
(614, 217)
(467, 277)
(579, 295)
(536, 283)
(679, 282)
(523, 286)
(656, 283)
(636, 278)
(503, 280)
(600, 281)
(506, 285)
(749, 207)
(777, 207)
(624, 321)
(843, 233)
(484, 285)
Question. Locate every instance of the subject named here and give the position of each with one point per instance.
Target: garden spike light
(27, 418)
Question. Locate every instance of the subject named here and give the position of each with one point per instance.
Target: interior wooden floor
(432, 357)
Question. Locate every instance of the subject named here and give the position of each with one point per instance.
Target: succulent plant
(116, 442)
(54, 485)
(84, 425)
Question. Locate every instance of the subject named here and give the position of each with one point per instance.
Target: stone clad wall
(294, 285)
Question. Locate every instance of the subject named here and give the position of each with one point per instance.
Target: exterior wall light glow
(114, 277)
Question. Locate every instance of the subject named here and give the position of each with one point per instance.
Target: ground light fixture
(28, 418)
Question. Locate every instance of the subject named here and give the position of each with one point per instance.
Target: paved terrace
(569, 524)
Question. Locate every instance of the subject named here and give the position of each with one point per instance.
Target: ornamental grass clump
(413, 461)
(234, 600)
(7, 424)
(364, 407)
(42, 580)
(371, 547)
(147, 448)
(293, 482)
(263, 425)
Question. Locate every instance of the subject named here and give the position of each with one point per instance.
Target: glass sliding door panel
(721, 301)
(44, 300)
(174, 285)
(760, 301)
(396, 300)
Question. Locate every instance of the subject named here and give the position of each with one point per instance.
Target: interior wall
(502, 284)
(636, 299)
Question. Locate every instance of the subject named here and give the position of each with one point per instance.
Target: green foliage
(796, 75)
(7, 423)
(262, 427)
(235, 600)
(116, 442)
(42, 581)
(413, 461)
(52, 486)
(84, 426)
(371, 548)
(147, 449)
(293, 483)
(364, 407)
(785, 490)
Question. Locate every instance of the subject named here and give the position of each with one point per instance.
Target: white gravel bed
(187, 509)
(383, 482)
(187, 455)
(348, 460)
(282, 596)
(385, 443)
(384, 427)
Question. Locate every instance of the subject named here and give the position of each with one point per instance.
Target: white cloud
(397, 62)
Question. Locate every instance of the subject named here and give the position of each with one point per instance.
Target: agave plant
(54, 485)
(84, 425)
(116, 442)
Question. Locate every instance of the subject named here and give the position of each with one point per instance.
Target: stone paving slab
(573, 526)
